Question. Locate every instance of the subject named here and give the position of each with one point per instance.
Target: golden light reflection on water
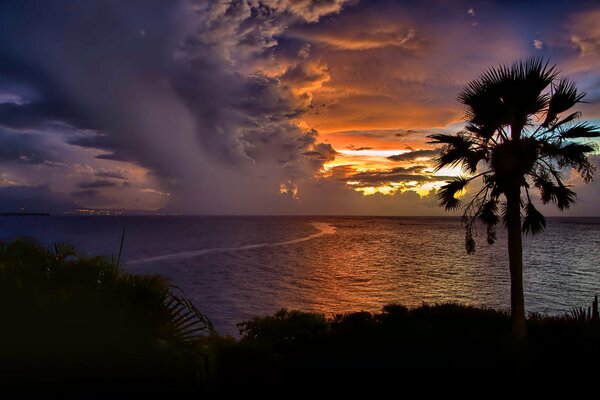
(362, 269)
(335, 265)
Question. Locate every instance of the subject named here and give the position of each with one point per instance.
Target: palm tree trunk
(515, 261)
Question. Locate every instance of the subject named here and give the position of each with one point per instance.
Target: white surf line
(323, 227)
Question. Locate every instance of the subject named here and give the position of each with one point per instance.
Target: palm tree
(517, 139)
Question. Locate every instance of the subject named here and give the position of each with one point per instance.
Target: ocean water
(234, 268)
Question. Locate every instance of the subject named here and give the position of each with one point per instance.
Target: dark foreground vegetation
(70, 321)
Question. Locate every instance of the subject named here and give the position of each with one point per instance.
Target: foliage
(402, 342)
(59, 310)
(284, 327)
(516, 134)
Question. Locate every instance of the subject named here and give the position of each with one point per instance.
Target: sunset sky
(260, 107)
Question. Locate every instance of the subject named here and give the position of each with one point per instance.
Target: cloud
(309, 10)
(102, 183)
(33, 199)
(321, 151)
(413, 155)
(197, 104)
(26, 148)
(110, 174)
(91, 198)
(398, 174)
(352, 147)
(366, 37)
(305, 77)
(383, 61)
(185, 98)
(586, 33)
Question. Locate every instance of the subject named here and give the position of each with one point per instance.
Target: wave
(322, 227)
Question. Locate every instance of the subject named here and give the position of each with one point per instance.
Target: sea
(236, 268)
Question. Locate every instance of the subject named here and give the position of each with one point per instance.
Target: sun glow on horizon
(373, 171)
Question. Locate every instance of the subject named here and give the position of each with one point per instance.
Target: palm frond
(59, 251)
(457, 150)
(566, 120)
(557, 193)
(544, 183)
(504, 94)
(564, 97)
(572, 155)
(447, 192)
(488, 214)
(469, 240)
(564, 197)
(505, 136)
(478, 130)
(456, 140)
(186, 323)
(582, 130)
(534, 222)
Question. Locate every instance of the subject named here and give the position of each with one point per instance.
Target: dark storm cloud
(116, 156)
(159, 83)
(80, 66)
(102, 183)
(32, 115)
(352, 147)
(372, 133)
(90, 198)
(415, 173)
(321, 151)
(413, 155)
(202, 94)
(110, 174)
(407, 132)
(92, 140)
(26, 148)
(33, 199)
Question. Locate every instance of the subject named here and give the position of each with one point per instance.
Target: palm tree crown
(516, 137)
(505, 145)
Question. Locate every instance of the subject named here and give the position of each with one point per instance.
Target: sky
(260, 106)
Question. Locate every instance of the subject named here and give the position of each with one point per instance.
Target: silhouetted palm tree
(516, 138)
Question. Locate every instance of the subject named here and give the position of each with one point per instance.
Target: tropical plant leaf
(504, 94)
(583, 130)
(507, 145)
(59, 251)
(469, 240)
(186, 323)
(489, 216)
(572, 155)
(546, 187)
(491, 234)
(446, 194)
(485, 132)
(564, 97)
(457, 150)
(534, 222)
(456, 140)
(557, 193)
(566, 120)
(564, 197)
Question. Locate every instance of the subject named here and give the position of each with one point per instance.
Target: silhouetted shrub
(284, 327)
(354, 323)
(70, 317)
